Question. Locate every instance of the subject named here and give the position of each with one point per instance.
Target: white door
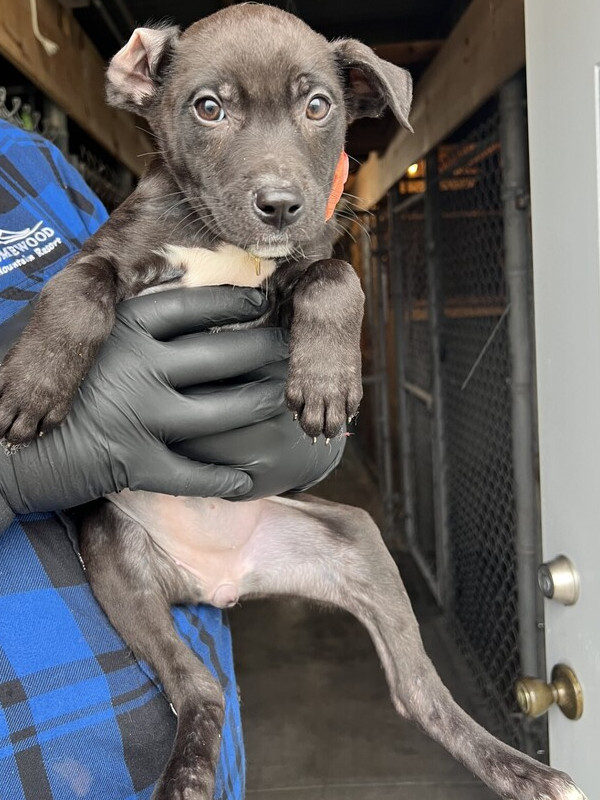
(563, 80)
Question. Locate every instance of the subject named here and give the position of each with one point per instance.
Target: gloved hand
(276, 452)
(136, 408)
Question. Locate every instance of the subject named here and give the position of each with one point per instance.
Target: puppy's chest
(227, 265)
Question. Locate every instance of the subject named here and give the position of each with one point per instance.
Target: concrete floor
(318, 721)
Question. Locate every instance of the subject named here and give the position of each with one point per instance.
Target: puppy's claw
(295, 415)
(9, 448)
(327, 440)
(314, 440)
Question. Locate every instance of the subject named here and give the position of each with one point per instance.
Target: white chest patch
(228, 265)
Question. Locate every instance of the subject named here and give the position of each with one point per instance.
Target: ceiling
(410, 32)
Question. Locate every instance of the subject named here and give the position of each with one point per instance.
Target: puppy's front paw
(31, 401)
(323, 397)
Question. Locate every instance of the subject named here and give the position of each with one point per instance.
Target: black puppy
(249, 108)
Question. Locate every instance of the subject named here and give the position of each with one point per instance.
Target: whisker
(171, 208)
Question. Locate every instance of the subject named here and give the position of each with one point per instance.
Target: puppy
(249, 108)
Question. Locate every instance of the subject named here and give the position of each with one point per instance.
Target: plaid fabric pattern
(79, 716)
(46, 213)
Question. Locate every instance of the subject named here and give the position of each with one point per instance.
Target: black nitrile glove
(276, 453)
(137, 399)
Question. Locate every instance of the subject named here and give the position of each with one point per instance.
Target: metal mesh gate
(452, 308)
(477, 413)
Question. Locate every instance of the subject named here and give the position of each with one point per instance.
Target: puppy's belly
(208, 537)
(223, 546)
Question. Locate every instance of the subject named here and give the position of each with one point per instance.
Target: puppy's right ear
(133, 74)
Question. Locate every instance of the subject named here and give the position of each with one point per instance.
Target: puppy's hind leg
(335, 554)
(136, 588)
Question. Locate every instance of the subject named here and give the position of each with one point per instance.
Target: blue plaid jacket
(79, 716)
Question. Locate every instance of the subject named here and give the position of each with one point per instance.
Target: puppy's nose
(278, 206)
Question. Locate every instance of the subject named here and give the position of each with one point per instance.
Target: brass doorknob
(535, 696)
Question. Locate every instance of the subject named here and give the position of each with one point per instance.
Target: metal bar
(374, 379)
(365, 257)
(430, 578)
(416, 391)
(405, 447)
(436, 306)
(408, 202)
(513, 138)
(125, 14)
(109, 21)
(371, 378)
(484, 349)
(385, 438)
(376, 355)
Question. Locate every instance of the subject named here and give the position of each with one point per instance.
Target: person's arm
(137, 424)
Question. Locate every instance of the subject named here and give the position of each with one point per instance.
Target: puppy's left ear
(133, 75)
(372, 83)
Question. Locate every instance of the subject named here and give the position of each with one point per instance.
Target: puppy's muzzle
(279, 206)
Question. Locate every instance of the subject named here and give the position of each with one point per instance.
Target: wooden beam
(404, 53)
(486, 47)
(73, 78)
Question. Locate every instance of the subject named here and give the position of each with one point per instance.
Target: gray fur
(201, 190)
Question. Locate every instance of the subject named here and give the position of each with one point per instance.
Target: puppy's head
(250, 107)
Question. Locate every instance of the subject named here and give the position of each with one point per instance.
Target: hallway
(318, 721)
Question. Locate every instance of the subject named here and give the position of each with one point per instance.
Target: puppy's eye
(318, 107)
(209, 110)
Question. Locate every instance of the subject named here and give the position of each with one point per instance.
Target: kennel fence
(450, 388)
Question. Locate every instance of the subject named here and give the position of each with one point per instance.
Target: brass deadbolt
(535, 696)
